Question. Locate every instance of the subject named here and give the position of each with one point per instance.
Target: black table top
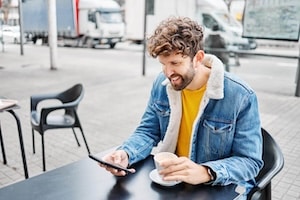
(85, 180)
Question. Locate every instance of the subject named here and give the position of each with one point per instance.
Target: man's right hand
(118, 157)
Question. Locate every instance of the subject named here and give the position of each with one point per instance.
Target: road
(269, 74)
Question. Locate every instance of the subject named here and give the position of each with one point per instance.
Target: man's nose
(168, 71)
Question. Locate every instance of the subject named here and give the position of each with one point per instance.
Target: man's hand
(183, 169)
(118, 157)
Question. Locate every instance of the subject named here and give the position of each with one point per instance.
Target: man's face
(178, 69)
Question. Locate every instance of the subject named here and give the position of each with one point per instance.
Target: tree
(228, 3)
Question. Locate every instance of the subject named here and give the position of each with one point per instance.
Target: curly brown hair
(176, 34)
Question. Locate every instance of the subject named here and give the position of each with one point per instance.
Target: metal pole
(52, 34)
(1, 36)
(21, 28)
(297, 94)
(144, 41)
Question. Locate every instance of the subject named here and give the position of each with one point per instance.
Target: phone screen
(109, 164)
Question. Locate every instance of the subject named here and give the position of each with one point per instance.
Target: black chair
(274, 161)
(63, 115)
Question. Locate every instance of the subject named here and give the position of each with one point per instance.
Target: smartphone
(118, 167)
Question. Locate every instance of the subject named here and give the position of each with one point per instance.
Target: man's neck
(198, 81)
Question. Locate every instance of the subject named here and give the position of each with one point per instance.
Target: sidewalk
(115, 98)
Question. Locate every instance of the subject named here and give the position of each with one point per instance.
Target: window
(209, 21)
(110, 17)
(149, 7)
(91, 16)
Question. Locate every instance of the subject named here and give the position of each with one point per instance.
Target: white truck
(80, 23)
(206, 12)
(157, 11)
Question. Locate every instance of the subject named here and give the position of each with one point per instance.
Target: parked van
(231, 29)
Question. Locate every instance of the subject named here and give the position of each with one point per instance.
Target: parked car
(11, 34)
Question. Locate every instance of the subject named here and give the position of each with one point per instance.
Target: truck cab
(101, 22)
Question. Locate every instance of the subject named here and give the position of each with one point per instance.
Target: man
(208, 117)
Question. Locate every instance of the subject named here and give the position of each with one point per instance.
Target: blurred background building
(9, 13)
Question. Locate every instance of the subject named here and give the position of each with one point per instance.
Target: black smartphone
(118, 167)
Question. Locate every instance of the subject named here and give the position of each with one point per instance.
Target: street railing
(236, 53)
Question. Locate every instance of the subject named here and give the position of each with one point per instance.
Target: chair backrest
(73, 94)
(273, 163)
(272, 156)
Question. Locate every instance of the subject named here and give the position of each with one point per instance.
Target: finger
(132, 170)
(173, 165)
(117, 159)
(116, 172)
(175, 161)
(174, 178)
(108, 158)
(168, 162)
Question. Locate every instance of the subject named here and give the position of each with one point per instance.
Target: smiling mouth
(174, 79)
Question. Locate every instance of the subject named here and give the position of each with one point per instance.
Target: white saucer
(154, 176)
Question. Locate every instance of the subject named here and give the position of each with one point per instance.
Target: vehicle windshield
(228, 19)
(110, 17)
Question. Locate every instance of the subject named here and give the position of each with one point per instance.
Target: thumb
(117, 158)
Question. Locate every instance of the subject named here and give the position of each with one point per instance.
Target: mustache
(174, 75)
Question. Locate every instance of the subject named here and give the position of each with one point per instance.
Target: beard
(179, 82)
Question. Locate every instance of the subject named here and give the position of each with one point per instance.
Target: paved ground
(114, 101)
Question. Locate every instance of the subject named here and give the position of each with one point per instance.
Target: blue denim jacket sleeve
(152, 126)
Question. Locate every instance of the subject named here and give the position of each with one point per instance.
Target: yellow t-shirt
(190, 106)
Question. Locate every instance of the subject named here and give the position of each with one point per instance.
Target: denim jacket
(226, 133)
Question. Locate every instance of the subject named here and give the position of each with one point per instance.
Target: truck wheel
(89, 43)
(112, 45)
(34, 39)
(80, 42)
(45, 41)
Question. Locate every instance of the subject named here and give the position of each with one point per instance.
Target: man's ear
(200, 55)
(198, 58)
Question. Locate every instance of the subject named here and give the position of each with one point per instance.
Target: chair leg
(43, 153)
(76, 137)
(2, 147)
(85, 142)
(268, 190)
(33, 141)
